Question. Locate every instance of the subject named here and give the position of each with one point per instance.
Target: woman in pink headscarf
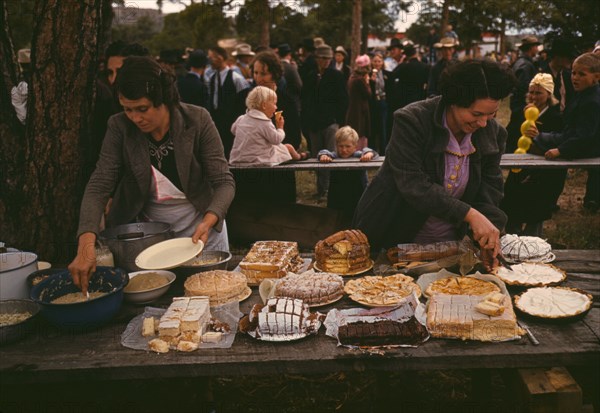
(359, 92)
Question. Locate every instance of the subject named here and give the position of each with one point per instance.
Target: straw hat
(243, 49)
(340, 49)
(446, 42)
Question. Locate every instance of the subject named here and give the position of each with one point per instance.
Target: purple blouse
(456, 177)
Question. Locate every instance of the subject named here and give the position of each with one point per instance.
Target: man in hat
(192, 87)
(524, 69)
(173, 59)
(308, 69)
(561, 54)
(324, 104)
(396, 54)
(290, 73)
(412, 76)
(243, 56)
(339, 62)
(432, 39)
(446, 48)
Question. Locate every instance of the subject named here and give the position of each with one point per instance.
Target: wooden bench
(508, 161)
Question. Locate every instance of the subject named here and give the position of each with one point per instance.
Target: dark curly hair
(272, 61)
(463, 83)
(142, 77)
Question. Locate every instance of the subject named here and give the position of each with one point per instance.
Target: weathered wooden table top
(509, 160)
(49, 354)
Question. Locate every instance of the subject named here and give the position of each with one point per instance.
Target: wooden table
(508, 161)
(52, 355)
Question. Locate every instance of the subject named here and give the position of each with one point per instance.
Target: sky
(403, 22)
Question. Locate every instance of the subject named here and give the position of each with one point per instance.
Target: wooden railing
(508, 161)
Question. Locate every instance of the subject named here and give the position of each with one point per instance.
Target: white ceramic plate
(168, 254)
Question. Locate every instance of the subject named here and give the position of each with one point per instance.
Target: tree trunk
(503, 37)
(40, 208)
(265, 23)
(445, 17)
(356, 29)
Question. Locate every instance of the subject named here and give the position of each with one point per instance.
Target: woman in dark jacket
(441, 177)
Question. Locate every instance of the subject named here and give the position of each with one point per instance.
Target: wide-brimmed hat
(529, 41)
(410, 50)
(243, 49)
(563, 48)
(318, 41)
(340, 49)
(446, 42)
(324, 51)
(395, 42)
(284, 49)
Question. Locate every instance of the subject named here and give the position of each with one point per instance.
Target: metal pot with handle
(127, 241)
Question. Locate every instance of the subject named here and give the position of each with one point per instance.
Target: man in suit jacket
(290, 73)
(227, 91)
(412, 78)
(192, 87)
(324, 105)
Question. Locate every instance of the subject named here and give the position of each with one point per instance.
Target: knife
(503, 261)
(530, 335)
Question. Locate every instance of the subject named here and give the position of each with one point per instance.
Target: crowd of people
(431, 114)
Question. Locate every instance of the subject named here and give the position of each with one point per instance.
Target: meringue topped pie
(553, 302)
(531, 274)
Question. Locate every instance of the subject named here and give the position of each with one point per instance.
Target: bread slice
(148, 327)
(490, 308)
(158, 345)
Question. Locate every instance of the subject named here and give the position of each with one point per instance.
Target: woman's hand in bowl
(84, 264)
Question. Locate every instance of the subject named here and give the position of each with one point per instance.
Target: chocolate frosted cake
(382, 332)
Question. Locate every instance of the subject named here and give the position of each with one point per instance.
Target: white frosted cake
(517, 248)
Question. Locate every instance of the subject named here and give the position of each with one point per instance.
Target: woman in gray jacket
(161, 161)
(441, 178)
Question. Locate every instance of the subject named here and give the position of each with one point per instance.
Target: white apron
(168, 204)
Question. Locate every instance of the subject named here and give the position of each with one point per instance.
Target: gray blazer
(124, 168)
(409, 186)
